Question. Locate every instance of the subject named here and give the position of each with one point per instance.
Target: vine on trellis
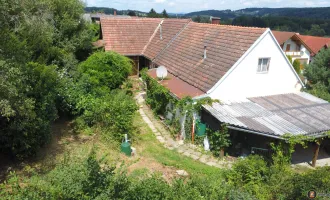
(162, 102)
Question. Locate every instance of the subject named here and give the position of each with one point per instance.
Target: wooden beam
(138, 67)
(316, 152)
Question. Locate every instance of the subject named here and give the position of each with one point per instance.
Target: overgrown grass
(151, 147)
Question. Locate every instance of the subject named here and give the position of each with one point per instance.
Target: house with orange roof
(243, 67)
(301, 47)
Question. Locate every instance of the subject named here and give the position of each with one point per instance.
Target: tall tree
(40, 43)
(131, 13)
(164, 13)
(318, 74)
(152, 13)
(316, 30)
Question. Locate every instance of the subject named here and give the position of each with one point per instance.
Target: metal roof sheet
(298, 114)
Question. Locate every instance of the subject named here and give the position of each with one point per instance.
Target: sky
(185, 6)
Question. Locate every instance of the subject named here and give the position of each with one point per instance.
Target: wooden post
(316, 152)
(138, 67)
(222, 153)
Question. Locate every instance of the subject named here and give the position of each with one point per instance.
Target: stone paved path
(164, 137)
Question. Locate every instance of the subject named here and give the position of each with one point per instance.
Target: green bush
(318, 73)
(113, 113)
(27, 107)
(86, 178)
(219, 140)
(158, 97)
(103, 71)
(318, 180)
(250, 173)
(296, 66)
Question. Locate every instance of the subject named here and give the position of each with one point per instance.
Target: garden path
(164, 137)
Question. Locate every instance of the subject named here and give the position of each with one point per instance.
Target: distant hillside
(111, 11)
(317, 13)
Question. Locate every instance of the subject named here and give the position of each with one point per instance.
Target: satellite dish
(161, 72)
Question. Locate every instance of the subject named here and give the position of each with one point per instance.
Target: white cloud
(171, 3)
(160, 1)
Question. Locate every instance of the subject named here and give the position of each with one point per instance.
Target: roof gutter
(320, 135)
(255, 132)
(200, 97)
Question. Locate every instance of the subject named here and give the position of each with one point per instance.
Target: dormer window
(263, 65)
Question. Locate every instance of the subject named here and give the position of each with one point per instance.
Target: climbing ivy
(219, 140)
(282, 152)
(162, 102)
(158, 97)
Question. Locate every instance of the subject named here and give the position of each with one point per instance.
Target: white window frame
(260, 70)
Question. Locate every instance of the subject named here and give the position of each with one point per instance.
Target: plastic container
(200, 129)
(125, 148)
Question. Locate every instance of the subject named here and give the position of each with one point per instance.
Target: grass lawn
(151, 157)
(150, 147)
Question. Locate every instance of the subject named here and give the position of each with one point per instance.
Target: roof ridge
(227, 25)
(152, 37)
(170, 42)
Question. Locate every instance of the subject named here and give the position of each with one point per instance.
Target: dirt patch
(167, 172)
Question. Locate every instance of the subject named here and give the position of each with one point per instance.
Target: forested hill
(111, 11)
(317, 13)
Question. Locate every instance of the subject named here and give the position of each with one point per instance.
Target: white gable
(296, 51)
(243, 81)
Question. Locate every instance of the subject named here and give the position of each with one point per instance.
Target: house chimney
(205, 52)
(115, 12)
(215, 20)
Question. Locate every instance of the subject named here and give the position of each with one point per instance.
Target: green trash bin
(200, 129)
(125, 148)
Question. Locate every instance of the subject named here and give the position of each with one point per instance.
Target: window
(263, 65)
(288, 47)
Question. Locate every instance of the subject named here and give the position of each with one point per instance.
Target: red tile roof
(128, 36)
(182, 47)
(225, 45)
(170, 28)
(177, 86)
(282, 36)
(315, 43)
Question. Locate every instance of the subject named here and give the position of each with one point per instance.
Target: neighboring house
(243, 67)
(315, 44)
(301, 47)
(293, 46)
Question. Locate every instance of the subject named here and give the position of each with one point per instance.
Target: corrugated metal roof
(298, 113)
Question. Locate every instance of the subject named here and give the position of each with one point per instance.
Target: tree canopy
(318, 74)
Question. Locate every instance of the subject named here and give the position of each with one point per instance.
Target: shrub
(113, 112)
(318, 180)
(296, 66)
(250, 173)
(158, 97)
(27, 107)
(219, 140)
(103, 71)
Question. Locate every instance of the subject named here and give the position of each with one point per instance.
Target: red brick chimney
(215, 20)
(115, 12)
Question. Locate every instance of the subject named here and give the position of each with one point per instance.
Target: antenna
(161, 72)
(205, 51)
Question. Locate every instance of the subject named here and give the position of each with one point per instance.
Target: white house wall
(302, 52)
(244, 81)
